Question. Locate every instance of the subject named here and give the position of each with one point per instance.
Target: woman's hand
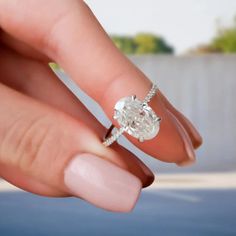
(49, 143)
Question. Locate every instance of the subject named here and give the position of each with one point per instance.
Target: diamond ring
(135, 117)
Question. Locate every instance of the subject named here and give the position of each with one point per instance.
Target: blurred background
(188, 48)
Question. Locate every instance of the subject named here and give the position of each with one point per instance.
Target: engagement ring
(134, 117)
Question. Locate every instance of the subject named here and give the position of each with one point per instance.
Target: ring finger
(37, 80)
(72, 31)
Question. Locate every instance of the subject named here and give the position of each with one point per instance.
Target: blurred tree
(142, 44)
(151, 44)
(125, 44)
(223, 42)
(203, 49)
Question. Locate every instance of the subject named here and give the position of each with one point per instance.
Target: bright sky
(183, 23)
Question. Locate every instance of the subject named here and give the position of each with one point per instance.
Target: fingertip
(197, 142)
(149, 180)
(102, 183)
(149, 176)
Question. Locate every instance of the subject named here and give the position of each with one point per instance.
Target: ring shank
(109, 139)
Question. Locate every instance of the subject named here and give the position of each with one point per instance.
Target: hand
(49, 143)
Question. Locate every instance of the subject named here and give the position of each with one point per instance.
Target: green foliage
(225, 41)
(125, 44)
(148, 43)
(142, 44)
(54, 66)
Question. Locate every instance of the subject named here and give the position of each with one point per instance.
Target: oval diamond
(138, 119)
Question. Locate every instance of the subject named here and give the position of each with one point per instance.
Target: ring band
(135, 117)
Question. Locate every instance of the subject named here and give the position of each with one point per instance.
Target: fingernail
(187, 143)
(194, 134)
(188, 146)
(102, 183)
(148, 173)
(196, 137)
(190, 151)
(186, 163)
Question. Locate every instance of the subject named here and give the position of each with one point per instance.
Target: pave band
(135, 117)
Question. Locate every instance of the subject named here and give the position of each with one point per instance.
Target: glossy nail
(102, 183)
(187, 143)
(148, 173)
(190, 128)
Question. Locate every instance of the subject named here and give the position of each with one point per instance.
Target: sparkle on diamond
(139, 119)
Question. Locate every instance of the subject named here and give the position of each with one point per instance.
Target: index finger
(68, 32)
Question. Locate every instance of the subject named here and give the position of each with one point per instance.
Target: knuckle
(27, 142)
(49, 42)
(52, 40)
(32, 142)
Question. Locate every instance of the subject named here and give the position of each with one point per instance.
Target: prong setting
(136, 118)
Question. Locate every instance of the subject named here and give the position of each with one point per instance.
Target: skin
(33, 100)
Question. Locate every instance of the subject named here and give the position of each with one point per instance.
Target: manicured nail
(193, 132)
(102, 183)
(187, 143)
(148, 173)
(190, 151)
(186, 163)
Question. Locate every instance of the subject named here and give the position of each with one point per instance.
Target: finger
(22, 48)
(29, 52)
(27, 183)
(188, 126)
(135, 166)
(57, 150)
(27, 77)
(72, 31)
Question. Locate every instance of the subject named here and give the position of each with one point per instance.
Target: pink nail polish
(102, 183)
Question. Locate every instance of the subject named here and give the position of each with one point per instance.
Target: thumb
(49, 148)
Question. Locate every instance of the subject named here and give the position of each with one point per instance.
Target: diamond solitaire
(136, 118)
